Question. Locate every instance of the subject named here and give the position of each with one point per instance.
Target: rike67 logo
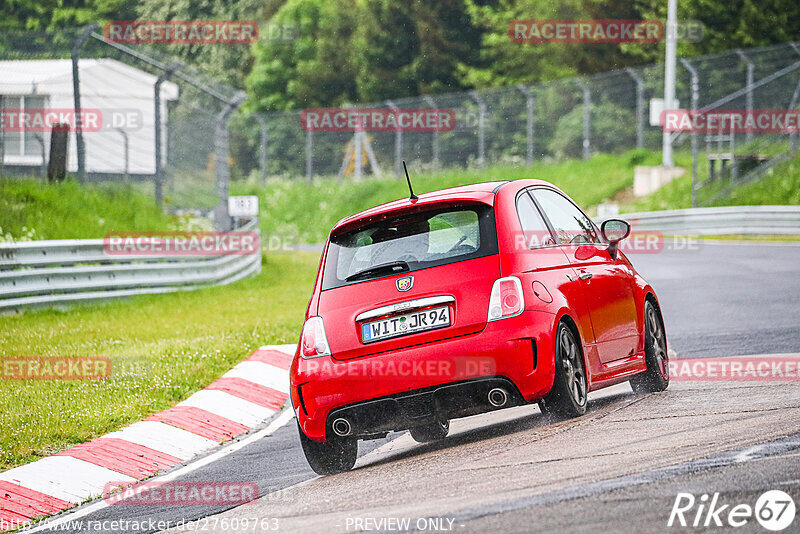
(774, 510)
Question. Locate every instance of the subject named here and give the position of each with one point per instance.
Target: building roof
(101, 76)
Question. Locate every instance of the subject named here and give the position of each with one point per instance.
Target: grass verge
(32, 209)
(781, 186)
(162, 348)
(300, 212)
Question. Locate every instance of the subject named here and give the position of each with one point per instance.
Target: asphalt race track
(619, 468)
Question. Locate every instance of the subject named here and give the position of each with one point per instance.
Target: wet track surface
(517, 471)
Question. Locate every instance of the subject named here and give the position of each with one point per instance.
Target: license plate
(400, 325)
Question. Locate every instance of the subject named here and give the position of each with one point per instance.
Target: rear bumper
(396, 390)
(407, 410)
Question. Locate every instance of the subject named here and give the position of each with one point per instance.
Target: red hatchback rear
(459, 302)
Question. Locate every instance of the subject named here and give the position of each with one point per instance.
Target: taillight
(506, 300)
(313, 341)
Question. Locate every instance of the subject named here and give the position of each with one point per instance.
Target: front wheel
(330, 457)
(656, 377)
(567, 398)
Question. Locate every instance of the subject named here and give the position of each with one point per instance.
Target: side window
(534, 229)
(569, 222)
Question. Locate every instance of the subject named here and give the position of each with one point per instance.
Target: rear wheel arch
(655, 376)
(567, 319)
(650, 297)
(568, 394)
(570, 322)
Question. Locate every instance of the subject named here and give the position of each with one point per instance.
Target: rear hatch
(409, 278)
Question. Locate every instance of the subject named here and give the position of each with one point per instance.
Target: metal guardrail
(764, 220)
(49, 273)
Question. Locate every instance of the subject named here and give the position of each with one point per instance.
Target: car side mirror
(614, 231)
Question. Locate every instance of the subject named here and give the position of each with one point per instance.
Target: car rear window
(410, 242)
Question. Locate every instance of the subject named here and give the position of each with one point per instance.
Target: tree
(317, 68)
(228, 63)
(360, 51)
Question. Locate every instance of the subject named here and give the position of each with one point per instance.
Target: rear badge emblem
(405, 283)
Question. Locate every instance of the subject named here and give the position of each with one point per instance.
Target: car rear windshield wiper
(388, 268)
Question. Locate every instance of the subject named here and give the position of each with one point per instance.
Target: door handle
(585, 276)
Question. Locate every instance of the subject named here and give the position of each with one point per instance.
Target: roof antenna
(413, 196)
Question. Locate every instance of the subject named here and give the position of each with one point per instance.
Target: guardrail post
(435, 145)
(398, 143)
(262, 148)
(358, 144)
(159, 176)
(749, 85)
(639, 106)
(125, 146)
(695, 98)
(309, 155)
(75, 55)
(481, 127)
(2, 149)
(587, 118)
(40, 140)
(749, 96)
(529, 115)
(222, 171)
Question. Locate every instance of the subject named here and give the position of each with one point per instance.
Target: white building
(123, 95)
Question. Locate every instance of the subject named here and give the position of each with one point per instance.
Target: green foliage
(41, 15)
(612, 127)
(781, 186)
(299, 212)
(227, 63)
(71, 210)
(727, 25)
(356, 51)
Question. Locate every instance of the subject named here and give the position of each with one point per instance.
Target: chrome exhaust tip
(341, 427)
(498, 397)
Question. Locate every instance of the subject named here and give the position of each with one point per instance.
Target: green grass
(32, 209)
(780, 187)
(302, 212)
(162, 348)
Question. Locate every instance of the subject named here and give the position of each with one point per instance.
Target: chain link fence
(568, 118)
(163, 124)
(172, 131)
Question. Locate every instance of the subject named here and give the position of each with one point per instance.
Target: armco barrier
(53, 272)
(728, 220)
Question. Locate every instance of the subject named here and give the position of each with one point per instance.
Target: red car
(463, 301)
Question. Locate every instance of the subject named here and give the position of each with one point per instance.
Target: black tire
(333, 456)
(656, 378)
(430, 432)
(568, 396)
